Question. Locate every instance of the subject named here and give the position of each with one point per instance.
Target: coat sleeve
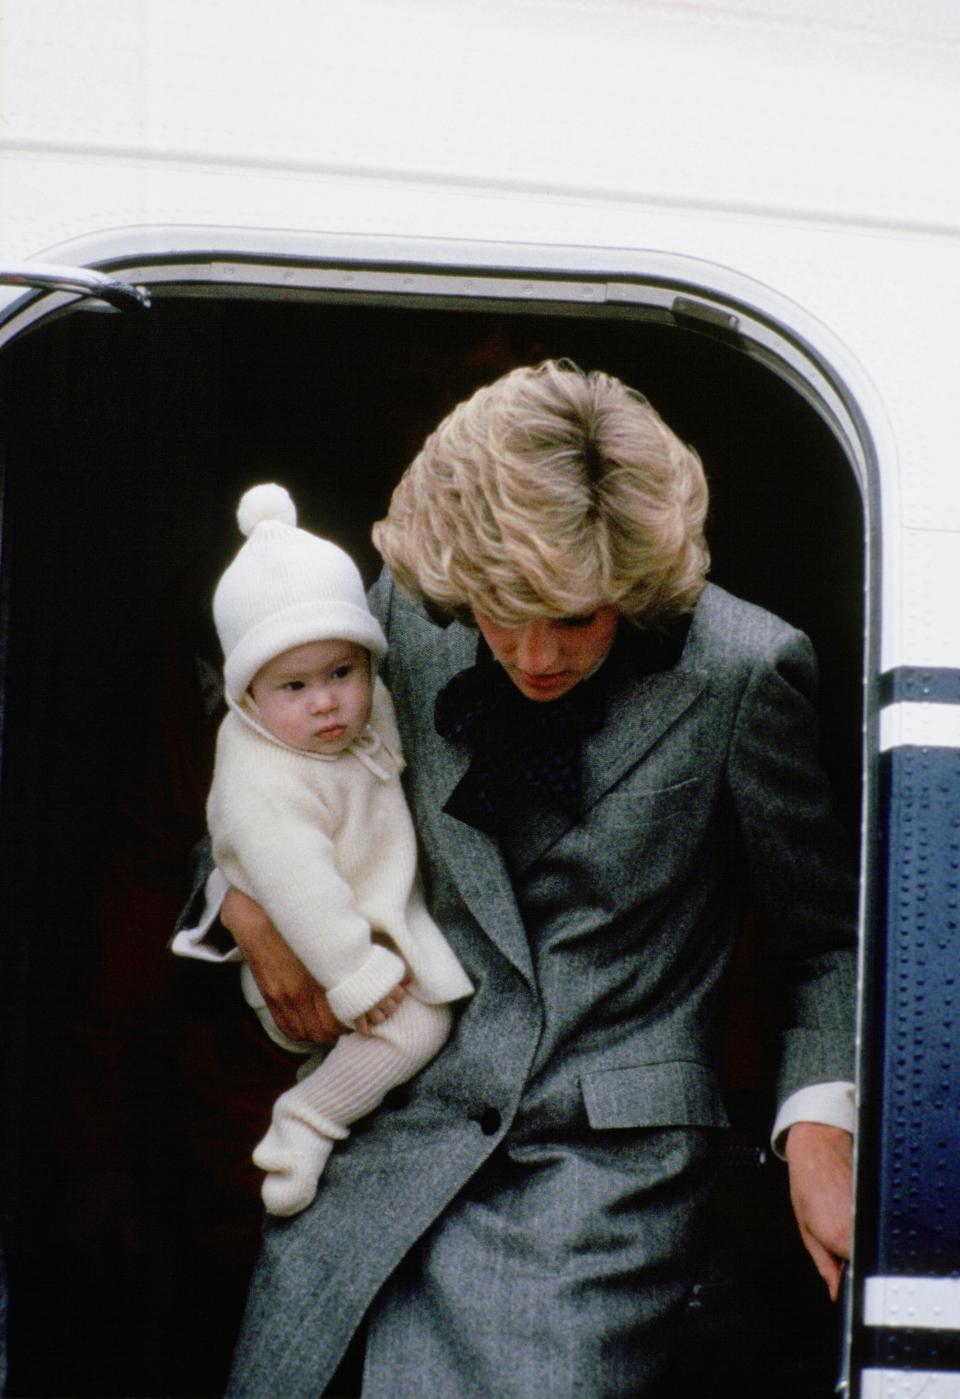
(802, 877)
(275, 846)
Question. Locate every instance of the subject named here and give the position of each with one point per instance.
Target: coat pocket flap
(675, 1093)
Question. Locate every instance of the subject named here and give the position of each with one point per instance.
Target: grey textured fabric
(522, 1221)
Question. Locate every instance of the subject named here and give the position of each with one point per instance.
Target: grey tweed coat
(521, 1221)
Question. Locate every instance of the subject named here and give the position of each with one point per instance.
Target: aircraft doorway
(136, 1081)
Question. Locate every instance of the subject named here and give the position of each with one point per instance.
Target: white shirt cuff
(833, 1104)
(192, 942)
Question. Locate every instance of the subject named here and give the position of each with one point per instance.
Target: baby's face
(316, 697)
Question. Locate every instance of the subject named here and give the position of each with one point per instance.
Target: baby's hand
(381, 1012)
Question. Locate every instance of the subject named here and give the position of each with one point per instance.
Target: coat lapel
(473, 858)
(641, 710)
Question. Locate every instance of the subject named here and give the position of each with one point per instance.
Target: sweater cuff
(380, 972)
(832, 1104)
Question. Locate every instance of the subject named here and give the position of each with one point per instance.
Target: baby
(308, 817)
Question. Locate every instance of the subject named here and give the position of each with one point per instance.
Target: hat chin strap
(365, 747)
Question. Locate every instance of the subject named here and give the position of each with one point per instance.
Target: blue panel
(922, 684)
(917, 1185)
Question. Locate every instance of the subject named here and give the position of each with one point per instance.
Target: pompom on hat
(285, 588)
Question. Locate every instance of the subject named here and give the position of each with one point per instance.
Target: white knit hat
(285, 588)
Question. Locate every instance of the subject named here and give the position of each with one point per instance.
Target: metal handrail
(80, 281)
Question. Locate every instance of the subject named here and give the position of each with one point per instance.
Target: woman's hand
(820, 1160)
(296, 1001)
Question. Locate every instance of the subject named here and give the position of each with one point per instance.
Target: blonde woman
(608, 758)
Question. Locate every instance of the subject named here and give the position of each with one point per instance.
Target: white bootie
(293, 1154)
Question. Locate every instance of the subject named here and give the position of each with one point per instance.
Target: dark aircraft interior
(135, 1084)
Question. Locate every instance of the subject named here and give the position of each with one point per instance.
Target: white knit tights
(347, 1084)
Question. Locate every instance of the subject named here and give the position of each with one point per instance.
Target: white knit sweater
(326, 846)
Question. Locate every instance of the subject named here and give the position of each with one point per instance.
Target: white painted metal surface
(909, 1384)
(924, 1303)
(920, 726)
(560, 97)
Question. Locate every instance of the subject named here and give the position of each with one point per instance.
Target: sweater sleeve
(271, 838)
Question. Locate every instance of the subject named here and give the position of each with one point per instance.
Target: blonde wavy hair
(549, 493)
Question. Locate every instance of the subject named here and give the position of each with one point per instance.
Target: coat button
(489, 1120)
